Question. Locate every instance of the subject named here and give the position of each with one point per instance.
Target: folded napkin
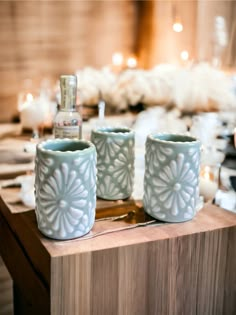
(9, 130)
(226, 200)
(26, 193)
(14, 159)
(27, 190)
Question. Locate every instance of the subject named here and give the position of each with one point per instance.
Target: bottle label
(67, 132)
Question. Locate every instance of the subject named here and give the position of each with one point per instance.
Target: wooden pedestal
(185, 268)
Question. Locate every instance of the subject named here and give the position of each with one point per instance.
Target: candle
(207, 188)
(23, 104)
(32, 112)
(208, 184)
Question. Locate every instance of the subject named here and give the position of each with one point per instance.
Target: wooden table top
(209, 218)
(19, 216)
(44, 253)
(23, 221)
(185, 268)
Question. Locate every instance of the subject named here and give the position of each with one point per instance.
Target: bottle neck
(67, 109)
(68, 97)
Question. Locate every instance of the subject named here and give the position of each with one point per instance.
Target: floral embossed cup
(171, 181)
(65, 187)
(115, 162)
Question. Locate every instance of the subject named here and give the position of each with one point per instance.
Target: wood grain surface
(182, 275)
(44, 39)
(185, 268)
(6, 292)
(31, 288)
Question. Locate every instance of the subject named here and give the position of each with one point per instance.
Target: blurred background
(171, 62)
(40, 40)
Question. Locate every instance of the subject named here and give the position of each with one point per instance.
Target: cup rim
(192, 140)
(107, 130)
(40, 146)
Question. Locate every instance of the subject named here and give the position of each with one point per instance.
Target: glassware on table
(209, 181)
(36, 111)
(205, 127)
(31, 114)
(68, 121)
(210, 173)
(36, 108)
(220, 40)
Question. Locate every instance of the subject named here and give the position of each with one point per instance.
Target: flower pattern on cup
(194, 155)
(41, 221)
(150, 202)
(151, 152)
(175, 184)
(107, 188)
(115, 164)
(108, 147)
(123, 168)
(190, 209)
(63, 197)
(156, 157)
(43, 167)
(87, 167)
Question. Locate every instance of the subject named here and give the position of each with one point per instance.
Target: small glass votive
(209, 181)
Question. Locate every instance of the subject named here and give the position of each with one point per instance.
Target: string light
(178, 27)
(131, 62)
(184, 55)
(117, 59)
(177, 23)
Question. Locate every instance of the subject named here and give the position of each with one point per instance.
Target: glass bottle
(68, 121)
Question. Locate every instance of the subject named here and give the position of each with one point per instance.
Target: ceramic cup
(115, 162)
(171, 180)
(65, 187)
